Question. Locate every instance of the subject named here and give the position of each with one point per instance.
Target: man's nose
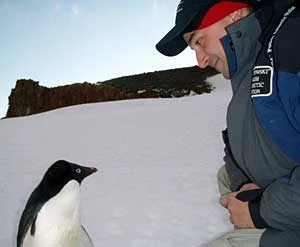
(202, 58)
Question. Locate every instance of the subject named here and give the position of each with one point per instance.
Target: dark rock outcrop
(28, 97)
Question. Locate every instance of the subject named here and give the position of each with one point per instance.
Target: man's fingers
(224, 201)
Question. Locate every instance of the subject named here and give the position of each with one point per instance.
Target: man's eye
(200, 41)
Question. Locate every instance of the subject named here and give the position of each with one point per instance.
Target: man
(255, 43)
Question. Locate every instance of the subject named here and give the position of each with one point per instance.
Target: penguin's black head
(61, 172)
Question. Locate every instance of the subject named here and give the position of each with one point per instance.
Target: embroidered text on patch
(261, 84)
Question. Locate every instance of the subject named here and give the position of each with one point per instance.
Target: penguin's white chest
(58, 223)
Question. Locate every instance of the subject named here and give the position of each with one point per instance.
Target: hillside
(29, 97)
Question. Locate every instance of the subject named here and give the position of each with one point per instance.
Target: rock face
(28, 97)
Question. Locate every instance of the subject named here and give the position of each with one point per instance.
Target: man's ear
(239, 14)
(236, 15)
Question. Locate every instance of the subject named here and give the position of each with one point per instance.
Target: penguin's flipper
(27, 221)
(85, 240)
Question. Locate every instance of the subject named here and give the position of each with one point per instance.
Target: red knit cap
(219, 11)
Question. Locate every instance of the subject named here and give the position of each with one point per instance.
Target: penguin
(51, 217)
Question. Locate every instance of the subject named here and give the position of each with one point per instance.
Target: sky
(157, 161)
(59, 42)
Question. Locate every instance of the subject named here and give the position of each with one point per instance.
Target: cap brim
(173, 42)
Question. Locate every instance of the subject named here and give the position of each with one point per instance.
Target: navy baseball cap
(188, 17)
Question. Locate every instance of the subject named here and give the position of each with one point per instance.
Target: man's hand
(239, 214)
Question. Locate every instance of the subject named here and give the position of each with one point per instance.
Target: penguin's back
(58, 221)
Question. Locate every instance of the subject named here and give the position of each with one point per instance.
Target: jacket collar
(249, 34)
(245, 36)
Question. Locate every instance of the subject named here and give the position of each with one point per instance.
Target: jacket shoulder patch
(261, 82)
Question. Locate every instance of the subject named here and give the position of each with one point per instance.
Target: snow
(157, 160)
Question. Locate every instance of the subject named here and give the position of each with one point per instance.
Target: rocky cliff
(28, 97)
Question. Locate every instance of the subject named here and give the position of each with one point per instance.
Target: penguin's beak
(91, 170)
(86, 171)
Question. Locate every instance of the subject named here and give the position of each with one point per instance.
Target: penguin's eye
(78, 170)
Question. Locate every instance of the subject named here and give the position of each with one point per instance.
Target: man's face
(207, 45)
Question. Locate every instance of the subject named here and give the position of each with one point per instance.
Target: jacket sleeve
(236, 176)
(277, 238)
(278, 207)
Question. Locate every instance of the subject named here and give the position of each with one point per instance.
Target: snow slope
(157, 161)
